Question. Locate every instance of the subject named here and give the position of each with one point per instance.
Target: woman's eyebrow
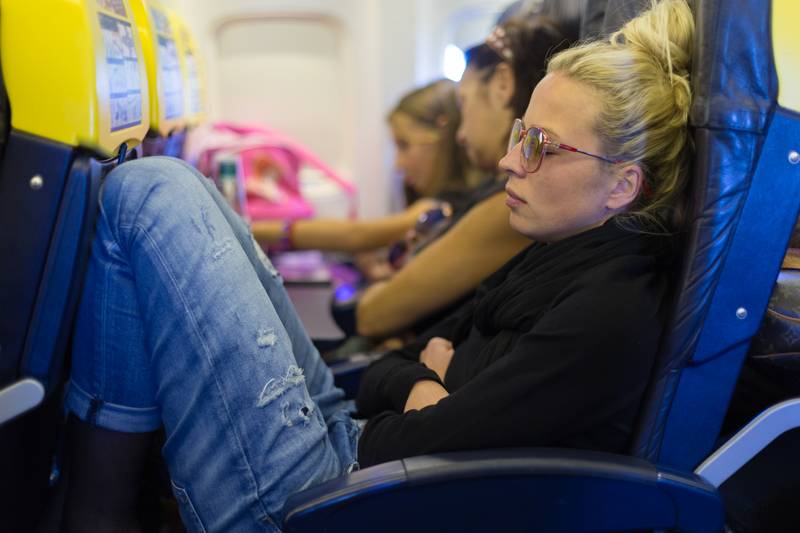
(552, 133)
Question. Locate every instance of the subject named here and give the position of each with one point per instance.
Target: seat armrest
(509, 490)
(20, 397)
(750, 440)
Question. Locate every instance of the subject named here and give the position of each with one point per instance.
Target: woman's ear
(628, 182)
(501, 86)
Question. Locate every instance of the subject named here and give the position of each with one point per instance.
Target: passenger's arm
(344, 235)
(442, 273)
(424, 394)
(585, 361)
(387, 383)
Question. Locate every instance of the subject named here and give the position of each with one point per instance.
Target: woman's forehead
(406, 127)
(564, 108)
(470, 81)
(401, 121)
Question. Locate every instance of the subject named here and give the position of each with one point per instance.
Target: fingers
(439, 343)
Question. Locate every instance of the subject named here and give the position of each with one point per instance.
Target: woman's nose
(461, 138)
(511, 164)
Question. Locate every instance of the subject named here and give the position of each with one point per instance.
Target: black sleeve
(586, 359)
(387, 382)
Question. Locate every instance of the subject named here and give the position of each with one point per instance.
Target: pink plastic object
(253, 143)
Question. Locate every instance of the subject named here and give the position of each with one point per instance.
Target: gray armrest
(749, 441)
(20, 397)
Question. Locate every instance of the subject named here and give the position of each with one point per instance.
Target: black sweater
(555, 349)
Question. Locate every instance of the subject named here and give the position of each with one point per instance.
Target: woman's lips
(512, 199)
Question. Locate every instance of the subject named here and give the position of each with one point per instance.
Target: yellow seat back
(163, 64)
(74, 73)
(785, 45)
(193, 73)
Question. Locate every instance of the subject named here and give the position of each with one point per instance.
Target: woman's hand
(423, 394)
(374, 265)
(437, 356)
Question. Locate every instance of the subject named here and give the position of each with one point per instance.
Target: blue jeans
(184, 323)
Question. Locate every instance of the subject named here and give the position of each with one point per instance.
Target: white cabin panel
(290, 74)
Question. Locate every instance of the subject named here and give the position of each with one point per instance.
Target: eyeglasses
(535, 144)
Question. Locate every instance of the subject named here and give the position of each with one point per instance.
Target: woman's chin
(517, 224)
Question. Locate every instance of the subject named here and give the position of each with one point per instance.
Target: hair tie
(498, 42)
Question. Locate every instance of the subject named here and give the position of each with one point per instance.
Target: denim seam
(101, 342)
(192, 510)
(112, 404)
(101, 377)
(194, 325)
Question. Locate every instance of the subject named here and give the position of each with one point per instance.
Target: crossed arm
(436, 356)
(574, 370)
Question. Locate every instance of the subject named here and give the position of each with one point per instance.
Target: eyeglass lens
(532, 144)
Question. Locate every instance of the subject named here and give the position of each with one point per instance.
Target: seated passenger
(434, 167)
(495, 88)
(423, 126)
(184, 323)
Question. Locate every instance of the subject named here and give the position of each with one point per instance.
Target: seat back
(194, 85)
(78, 98)
(193, 73)
(775, 350)
(746, 196)
(161, 52)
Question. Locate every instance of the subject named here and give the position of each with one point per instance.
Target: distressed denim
(184, 323)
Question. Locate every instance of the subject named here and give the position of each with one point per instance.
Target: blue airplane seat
(742, 207)
(745, 207)
(70, 115)
(763, 494)
(775, 351)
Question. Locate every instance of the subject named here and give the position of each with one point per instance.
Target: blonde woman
(190, 328)
(495, 88)
(434, 169)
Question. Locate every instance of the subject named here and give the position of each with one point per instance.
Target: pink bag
(260, 150)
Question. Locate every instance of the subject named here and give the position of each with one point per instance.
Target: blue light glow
(344, 293)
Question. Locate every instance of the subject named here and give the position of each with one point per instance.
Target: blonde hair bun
(641, 74)
(665, 32)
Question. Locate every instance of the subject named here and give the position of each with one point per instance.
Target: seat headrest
(73, 72)
(193, 73)
(162, 45)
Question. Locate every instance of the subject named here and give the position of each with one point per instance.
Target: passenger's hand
(423, 394)
(374, 266)
(437, 355)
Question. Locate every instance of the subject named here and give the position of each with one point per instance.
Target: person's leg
(104, 470)
(112, 391)
(242, 431)
(319, 379)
